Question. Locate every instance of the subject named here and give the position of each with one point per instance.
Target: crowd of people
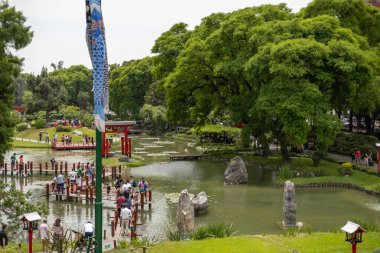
(127, 196)
(366, 159)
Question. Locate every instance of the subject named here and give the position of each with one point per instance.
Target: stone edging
(340, 185)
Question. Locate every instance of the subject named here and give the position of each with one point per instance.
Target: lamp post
(353, 234)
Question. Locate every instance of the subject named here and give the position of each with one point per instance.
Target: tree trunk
(263, 141)
(284, 148)
(350, 125)
(368, 124)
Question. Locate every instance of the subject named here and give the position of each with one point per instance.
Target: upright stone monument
(185, 214)
(290, 206)
(236, 173)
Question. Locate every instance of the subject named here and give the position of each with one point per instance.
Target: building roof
(352, 227)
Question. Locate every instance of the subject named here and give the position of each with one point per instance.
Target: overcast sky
(131, 26)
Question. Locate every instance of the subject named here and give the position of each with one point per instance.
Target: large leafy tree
(128, 86)
(77, 80)
(49, 93)
(278, 74)
(14, 34)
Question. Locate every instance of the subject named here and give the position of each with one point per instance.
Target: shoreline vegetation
(325, 175)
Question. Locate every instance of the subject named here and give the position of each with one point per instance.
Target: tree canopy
(15, 35)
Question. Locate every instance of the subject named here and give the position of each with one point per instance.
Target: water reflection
(255, 208)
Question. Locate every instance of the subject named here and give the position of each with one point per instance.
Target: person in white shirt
(79, 184)
(125, 217)
(44, 233)
(88, 229)
(72, 176)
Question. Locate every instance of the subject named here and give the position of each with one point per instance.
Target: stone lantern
(30, 223)
(353, 234)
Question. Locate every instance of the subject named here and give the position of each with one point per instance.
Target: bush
(214, 230)
(345, 143)
(317, 157)
(40, 123)
(285, 173)
(172, 235)
(63, 128)
(21, 127)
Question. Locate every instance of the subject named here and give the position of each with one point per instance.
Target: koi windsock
(96, 43)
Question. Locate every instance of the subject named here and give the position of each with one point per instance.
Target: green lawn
(313, 243)
(33, 133)
(27, 144)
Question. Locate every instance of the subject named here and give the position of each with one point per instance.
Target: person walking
(3, 236)
(58, 231)
(125, 218)
(44, 233)
(40, 136)
(13, 161)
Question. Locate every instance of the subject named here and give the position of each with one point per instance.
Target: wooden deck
(72, 146)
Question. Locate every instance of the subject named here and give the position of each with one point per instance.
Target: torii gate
(118, 127)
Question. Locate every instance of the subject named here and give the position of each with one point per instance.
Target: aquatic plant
(213, 230)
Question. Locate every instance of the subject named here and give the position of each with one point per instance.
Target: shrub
(345, 143)
(291, 231)
(63, 129)
(21, 127)
(213, 230)
(343, 171)
(40, 123)
(317, 157)
(285, 173)
(172, 235)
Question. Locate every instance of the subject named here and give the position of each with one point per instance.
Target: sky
(131, 27)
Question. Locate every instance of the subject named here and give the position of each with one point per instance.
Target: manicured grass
(313, 243)
(27, 144)
(33, 133)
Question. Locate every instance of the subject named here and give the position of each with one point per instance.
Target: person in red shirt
(119, 202)
(358, 155)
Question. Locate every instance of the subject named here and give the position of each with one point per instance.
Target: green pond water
(255, 208)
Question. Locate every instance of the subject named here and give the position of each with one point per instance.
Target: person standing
(79, 184)
(40, 135)
(57, 230)
(60, 183)
(3, 236)
(88, 229)
(358, 155)
(119, 202)
(44, 233)
(353, 156)
(13, 161)
(125, 218)
(52, 161)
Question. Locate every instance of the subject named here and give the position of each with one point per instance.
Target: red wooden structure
(118, 127)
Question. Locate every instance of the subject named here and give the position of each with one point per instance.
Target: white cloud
(131, 26)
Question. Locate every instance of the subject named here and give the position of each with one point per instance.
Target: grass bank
(312, 243)
(33, 133)
(27, 144)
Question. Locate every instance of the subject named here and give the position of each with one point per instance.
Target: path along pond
(255, 208)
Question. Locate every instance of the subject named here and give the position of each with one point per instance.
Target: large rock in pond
(185, 214)
(236, 173)
(290, 206)
(200, 202)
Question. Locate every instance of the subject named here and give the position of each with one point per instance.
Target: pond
(255, 208)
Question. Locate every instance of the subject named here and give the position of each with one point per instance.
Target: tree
(154, 116)
(14, 203)
(77, 80)
(14, 36)
(49, 93)
(128, 86)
